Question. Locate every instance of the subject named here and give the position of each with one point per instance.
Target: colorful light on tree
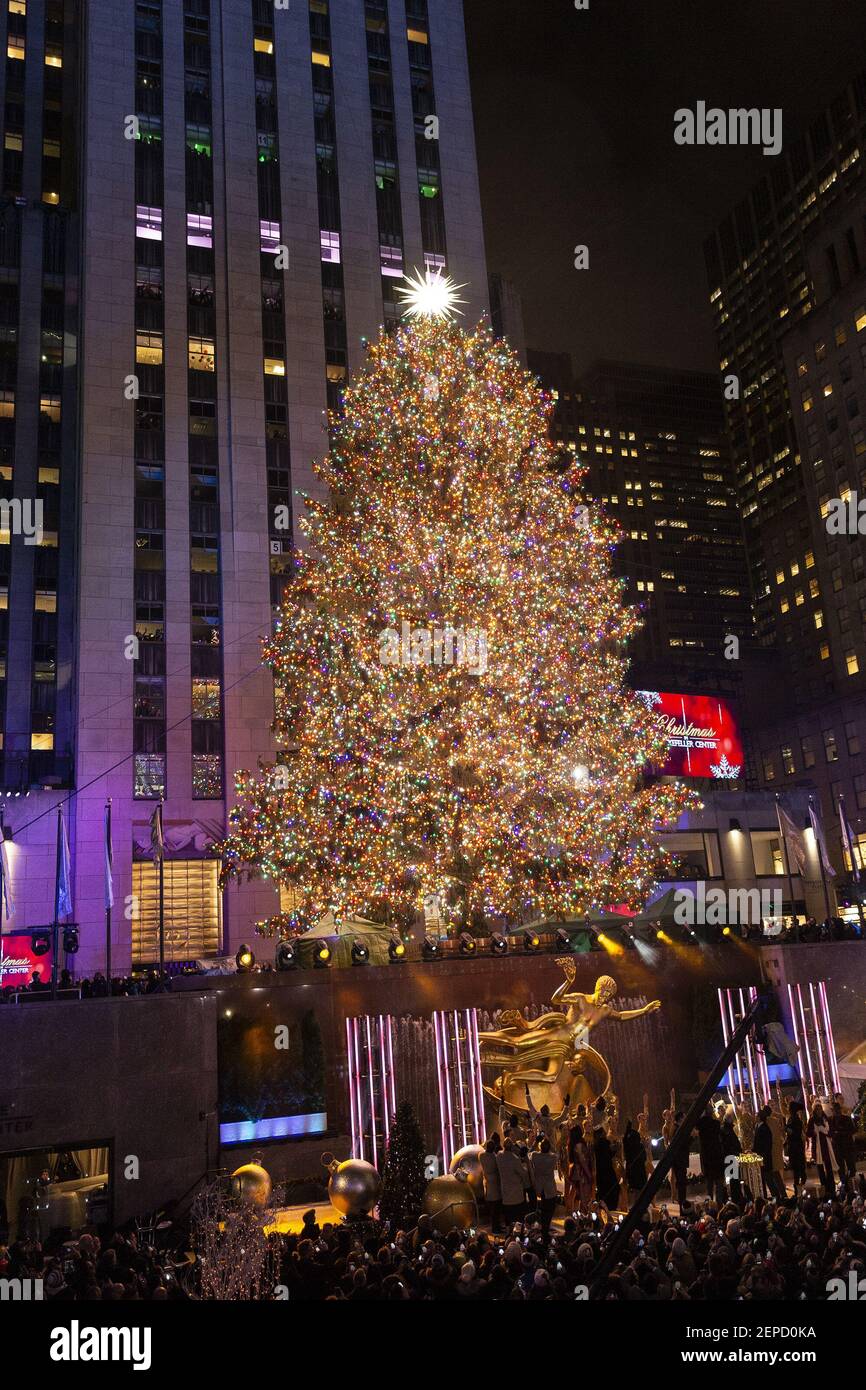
(413, 770)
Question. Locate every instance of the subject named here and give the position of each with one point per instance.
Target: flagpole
(161, 894)
(820, 849)
(55, 925)
(786, 860)
(107, 895)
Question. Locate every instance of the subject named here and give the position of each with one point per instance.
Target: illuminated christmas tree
(450, 663)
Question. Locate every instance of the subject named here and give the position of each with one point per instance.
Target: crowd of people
(91, 987)
(757, 1250)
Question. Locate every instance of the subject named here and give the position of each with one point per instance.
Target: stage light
(531, 941)
(726, 931)
(396, 951)
(563, 941)
(612, 947)
(70, 940)
(284, 957)
(244, 960)
(734, 824)
(468, 944)
(498, 944)
(360, 954)
(41, 943)
(663, 936)
(430, 949)
(323, 956)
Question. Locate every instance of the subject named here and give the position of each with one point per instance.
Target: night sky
(574, 122)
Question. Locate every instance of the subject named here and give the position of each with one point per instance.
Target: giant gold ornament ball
(251, 1184)
(466, 1164)
(354, 1187)
(450, 1203)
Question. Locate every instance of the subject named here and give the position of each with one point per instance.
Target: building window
(149, 784)
(767, 852)
(205, 699)
(191, 910)
(202, 355)
(769, 768)
(148, 349)
(831, 752)
(852, 665)
(808, 752)
(860, 795)
(207, 781)
(788, 762)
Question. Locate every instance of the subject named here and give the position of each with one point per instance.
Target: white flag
(795, 840)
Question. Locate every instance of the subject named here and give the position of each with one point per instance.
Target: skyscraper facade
(252, 181)
(653, 443)
(786, 293)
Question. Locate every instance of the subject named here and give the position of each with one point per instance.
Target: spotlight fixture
(360, 954)
(41, 943)
(663, 936)
(323, 956)
(563, 941)
(468, 944)
(498, 944)
(531, 941)
(70, 940)
(734, 824)
(726, 931)
(244, 960)
(396, 951)
(430, 949)
(284, 956)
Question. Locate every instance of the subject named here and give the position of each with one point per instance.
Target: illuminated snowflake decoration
(723, 770)
(649, 697)
(430, 296)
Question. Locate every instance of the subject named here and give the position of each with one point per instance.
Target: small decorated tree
(403, 1177)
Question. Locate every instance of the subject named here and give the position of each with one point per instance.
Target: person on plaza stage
(643, 1129)
(513, 1126)
(768, 1143)
(634, 1156)
(542, 1121)
(731, 1148)
(581, 1170)
(823, 1153)
(542, 1166)
(669, 1129)
(710, 1146)
(795, 1144)
(492, 1185)
(606, 1180)
(842, 1136)
(512, 1182)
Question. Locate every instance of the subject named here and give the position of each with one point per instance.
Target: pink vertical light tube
(439, 1078)
(374, 1138)
(476, 1053)
(806, 1046)
(383, 1085)
(448, 1120)
(358, 1088)
(455, 1017)
(800, 1066)
(828, 1029)
(752, 1086)
(819, 1043)
(389, 1038)
(352, 1099)
(737, 1056)
(762, 1055)
(473, 1088)
(726, 1036)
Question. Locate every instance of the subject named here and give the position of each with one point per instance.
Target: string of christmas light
(444, 509)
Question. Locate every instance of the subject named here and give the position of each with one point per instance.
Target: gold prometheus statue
(552, 1056)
